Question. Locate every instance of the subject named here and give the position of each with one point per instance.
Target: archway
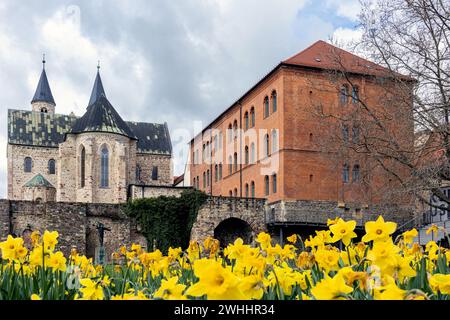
(230, 229)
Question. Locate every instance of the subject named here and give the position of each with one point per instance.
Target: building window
(194, 183)
(203, 152)
(207, 178)
(344, 94)
(220, 140)
(27, 164)
(230, 193)
(220, 171)
(246, 190)
(230, 133)
(266, 107)
(104, 172)
(138, 173)
(204, 180)
(246, 155)
(266, 145)
(246, 124)
(355, 173)
(311, 178)
(345, 173)
(208, 150)
(235, 162)
(216, 173)
(235, 192)
(198, 182)
(345, 133)
(355, 94)
(82, 167)
(266, 185)
(44, 110)
(51, 166)
(274, 101)
(274, 183)
(155, 173)
(355, 135)
(310, 137)
(253, 189)
(274, 140)
(252, 153)
(252, 117)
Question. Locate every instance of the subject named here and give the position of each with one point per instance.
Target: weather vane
(43, 60)
(98, 65)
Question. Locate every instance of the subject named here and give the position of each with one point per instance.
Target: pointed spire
(43, 92)
(97, 90)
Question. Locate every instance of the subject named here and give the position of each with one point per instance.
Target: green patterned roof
(38, 181)
(37, 128)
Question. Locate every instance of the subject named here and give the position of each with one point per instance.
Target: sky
(180, 61)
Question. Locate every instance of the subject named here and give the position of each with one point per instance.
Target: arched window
(198, 182)
(208, 150)
(355, 134)
(252, 189)
(246, 155)
(216, 173)
(44, 110)
(246, 124)
(274, 183)
(252, 153)
(204, 180)
(220, 171)
(27, 164)
(235, 129)
(274, 140)
(246, 190)
(230, 193)
(345, 173)
(51, 166)
(266, 107)
(194, 183)
(82, 167)
(220, 140)
(215, 143)
(207, 178)
(203, 152)
(155, 173)
(345, 133)
(104, 172)
(252, 117)
(235, 162)
(355, 94)
(235, 192)
(266, 185)
(274, 101)
(355, 173)
(138, 173)
(230, 132)
(266, 145)
(344, 94)
(230, 165)
(310, 137)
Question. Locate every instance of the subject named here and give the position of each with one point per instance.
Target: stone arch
(230, 229)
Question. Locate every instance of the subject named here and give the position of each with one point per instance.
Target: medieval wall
(139, 192)
(75, 222)
(17, 176)
(147, 161)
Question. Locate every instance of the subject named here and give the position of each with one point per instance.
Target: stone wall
(144, 191)
(147, 161)
(75, 222)
(17, 177)
(219, 209)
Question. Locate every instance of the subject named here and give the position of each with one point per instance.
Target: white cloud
(345, 8)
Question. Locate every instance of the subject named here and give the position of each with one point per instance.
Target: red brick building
(292, 136)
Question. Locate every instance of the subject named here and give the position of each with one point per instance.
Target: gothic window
(194, 183)
(246, 155)
(246, 190)
(246, 124)
(252, 117)
(355, 173)
(235, 192)
(104, 177)
(230, 133)
(266, 107)
(216, 173)
(345, 133)
(51, 166)
(274, 183)
(230, 165)
(155, 173)
(266, 145)
(235, 129)
(252, 153)
(344, 94)
(355, 134)
(220, 171)
(207, 178)
(44, 110)
(220, 140)
(204, 180)
(266, 185)
(345, 173)
(355, 94)
(235, 162)
(138, 173)
(27, 164)
(274, 101)
(198, 182)
(82, 167)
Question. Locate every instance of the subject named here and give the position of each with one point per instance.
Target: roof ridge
(298, 53)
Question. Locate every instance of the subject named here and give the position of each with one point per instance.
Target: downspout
(240, 149)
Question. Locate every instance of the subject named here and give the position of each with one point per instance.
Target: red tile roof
(323, 55)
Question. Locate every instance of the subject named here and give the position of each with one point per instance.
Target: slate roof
(48, 130)
(97, 89)
(102, 117)
(38, 181)
(43, 92)
(37, 128)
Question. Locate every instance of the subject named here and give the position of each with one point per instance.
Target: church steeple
(97, 90)
(43, 99)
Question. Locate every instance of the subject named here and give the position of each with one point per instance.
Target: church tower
(43, 99)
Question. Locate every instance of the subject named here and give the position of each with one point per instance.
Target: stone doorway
(232, 228)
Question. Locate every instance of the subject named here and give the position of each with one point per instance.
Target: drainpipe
(240, 149)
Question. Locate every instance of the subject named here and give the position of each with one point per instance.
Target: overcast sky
(178, 62)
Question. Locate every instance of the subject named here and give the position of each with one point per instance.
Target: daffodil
(408, 236)
(91, 290)
(50, 239)
(252, 287)
(331, 289)
(170, 289)
(378, 230)
(327, 259)
(343, 231)
(292, 238)
(389, 292)
(440, 283)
